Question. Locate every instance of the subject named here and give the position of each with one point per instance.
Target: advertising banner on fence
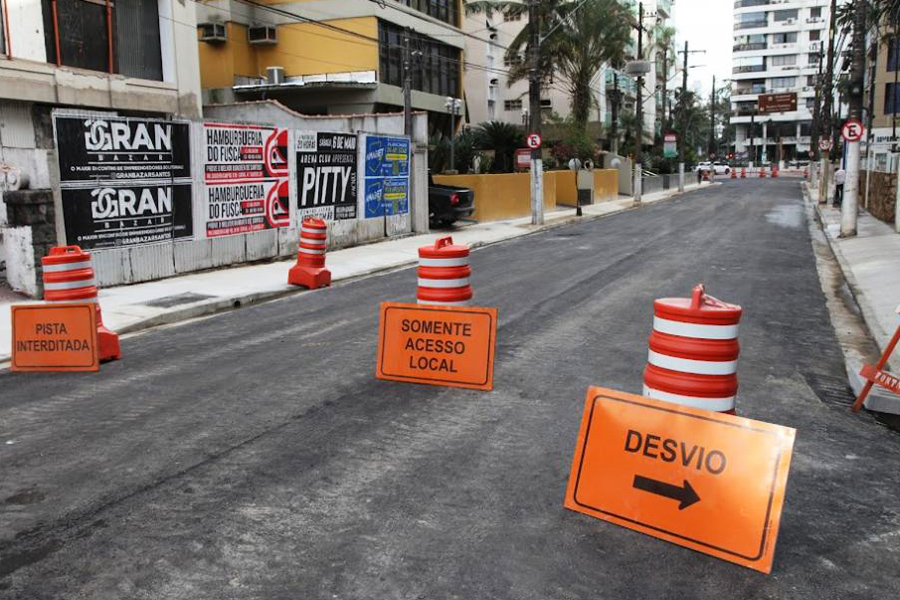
(246, 178)
(123, 181)
(326, 175)
(386, 176)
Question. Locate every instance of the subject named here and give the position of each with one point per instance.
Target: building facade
(777, 48)
(321, 57)
(883, 96)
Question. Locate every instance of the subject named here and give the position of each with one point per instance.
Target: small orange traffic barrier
(693, 353)
(444, 274)
(310, 271)
(69, 277)
(762, 172)
(774, 172)
(733, 174)
(744, 173)
(705, 175)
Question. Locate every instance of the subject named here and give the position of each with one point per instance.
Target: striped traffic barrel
(310, 269)
(744, 173)
(693, 353)
(444, 274)
(69, 277)
(774, 172)
(762, 172)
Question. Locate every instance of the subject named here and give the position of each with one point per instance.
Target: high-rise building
(776, 50)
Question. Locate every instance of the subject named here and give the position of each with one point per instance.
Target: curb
(225, 304)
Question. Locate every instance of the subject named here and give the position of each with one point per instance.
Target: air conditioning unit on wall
(262, 34)
(274, 75)
(212, 32)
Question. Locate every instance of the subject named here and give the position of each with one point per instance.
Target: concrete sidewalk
(139, 306)
(870, 263)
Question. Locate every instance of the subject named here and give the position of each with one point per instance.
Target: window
(815, 35)
(435, 71)
(784, 82)
(784, 60)
(784, 15)
(508, 17)
(893, 52)
(815, 13)
(805, 128)
(511, 105)
(749, 64)
(891, 99)
(443, 10)
(546, 103)
(810, 103)
(509, 61)
(784, 38)
(812, 58)
(811, 80)
(77, 35)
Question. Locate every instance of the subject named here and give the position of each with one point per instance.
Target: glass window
(443, 10)
(784, 60)
(784, 82)
(784, 15)
(512, 105)
(815, 12)
(784, 38)
(815, 35)
(891, 99)
(893, 52)
(812, 58)
(436, 70)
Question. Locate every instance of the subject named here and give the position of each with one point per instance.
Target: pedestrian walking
(839, 177)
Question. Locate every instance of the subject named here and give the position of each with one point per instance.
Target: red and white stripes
(692, 360)
(443, 274)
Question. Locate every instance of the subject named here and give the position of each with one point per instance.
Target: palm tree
(503, 139)
(663, 38)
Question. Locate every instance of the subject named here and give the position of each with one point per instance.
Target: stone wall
(882, 195)
(29, 235)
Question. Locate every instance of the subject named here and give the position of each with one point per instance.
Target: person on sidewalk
(839, 177)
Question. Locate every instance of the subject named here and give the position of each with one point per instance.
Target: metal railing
(750, 24)
(746, 3)
(747, 47)
(749, 69)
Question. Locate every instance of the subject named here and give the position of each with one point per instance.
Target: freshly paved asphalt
(255, 455)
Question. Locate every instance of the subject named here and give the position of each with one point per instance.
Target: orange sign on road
(439, 345)
(55, 337)
(712, 482)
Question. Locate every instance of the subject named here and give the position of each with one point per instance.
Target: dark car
(448, 203)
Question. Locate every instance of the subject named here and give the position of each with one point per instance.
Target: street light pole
(682, 139)
(639, 138)
(452, 105)
(534, 99)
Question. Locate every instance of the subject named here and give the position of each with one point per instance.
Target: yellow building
(331, 56)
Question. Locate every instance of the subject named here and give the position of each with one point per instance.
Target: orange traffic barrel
(705, 175)
(444, 274)
(762, 172)
(310, 271)
(774, 171)
(693, 353)
(744, 173)
(69, 277)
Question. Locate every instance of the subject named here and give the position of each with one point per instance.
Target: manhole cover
(170, 301)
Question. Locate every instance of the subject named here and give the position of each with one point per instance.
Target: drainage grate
(831, 390)
(170, 301)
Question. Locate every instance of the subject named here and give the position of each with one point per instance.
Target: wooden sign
(54, 337)
(776, 103)
(438, 345)
(709, 481)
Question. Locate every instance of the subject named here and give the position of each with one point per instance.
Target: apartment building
(490, 96)
(332, 56)
(777, 45)
(884, 66)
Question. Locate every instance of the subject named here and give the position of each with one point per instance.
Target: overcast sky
(706, 25)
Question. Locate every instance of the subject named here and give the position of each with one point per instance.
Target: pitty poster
(386, 176)
(326, 175)
(246, 178)
(123, 181)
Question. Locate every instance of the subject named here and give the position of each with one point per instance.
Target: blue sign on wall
(386, 176)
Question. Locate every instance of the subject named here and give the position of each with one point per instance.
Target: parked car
(720, 168)
(448, 203)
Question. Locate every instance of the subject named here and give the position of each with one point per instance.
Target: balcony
(749, 47)
(751, 24)
(746, 3)
(750, 91)
(749, 69)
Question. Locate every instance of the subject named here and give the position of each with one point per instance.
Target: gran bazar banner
(123, 181)
(246, 178)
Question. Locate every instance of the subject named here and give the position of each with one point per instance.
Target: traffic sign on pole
(825, 144)
(712, 482)
(534, 141)
(853, 131)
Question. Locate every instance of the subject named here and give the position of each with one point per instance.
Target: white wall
(26, 20)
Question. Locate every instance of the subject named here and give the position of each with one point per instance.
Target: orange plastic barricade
(55, 337)
(708, 481)
(310, 271)
(444, 274)
(437, 345)
(874, 375)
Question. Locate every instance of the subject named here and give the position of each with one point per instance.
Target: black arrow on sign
(686, 494)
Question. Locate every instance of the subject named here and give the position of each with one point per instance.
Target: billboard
(386, 186)
(326, 175)
(776, 103)
(123, 181)
(245, 176)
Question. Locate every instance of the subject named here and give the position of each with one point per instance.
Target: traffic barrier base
(69, 277)
(310, 271)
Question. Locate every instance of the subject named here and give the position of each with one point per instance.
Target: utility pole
(829, 100)
(682, 140)
(534, 100)
(638, 167)
(850, 202)
(752, 134)
(615, 114)
(407, 86)
(816, 125)
(712, 120)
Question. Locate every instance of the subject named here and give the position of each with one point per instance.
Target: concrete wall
(606, 185)
(503, 195)
(882, 195)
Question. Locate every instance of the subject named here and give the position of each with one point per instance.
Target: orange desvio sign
(55, 337)
(440, 345)
(712, 482)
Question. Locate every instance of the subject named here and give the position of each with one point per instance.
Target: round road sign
(825, 144)
(534, 141)
(853, 131)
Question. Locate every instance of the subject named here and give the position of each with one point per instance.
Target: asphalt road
(254, 454)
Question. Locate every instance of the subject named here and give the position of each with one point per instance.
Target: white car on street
(720, 169)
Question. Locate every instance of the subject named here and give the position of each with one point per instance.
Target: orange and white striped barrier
(310, 271)
(692, 360)
(69, 277)
(743, 173)
(762, 172)
(444, 274)
(774, 172)
(733, 174)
